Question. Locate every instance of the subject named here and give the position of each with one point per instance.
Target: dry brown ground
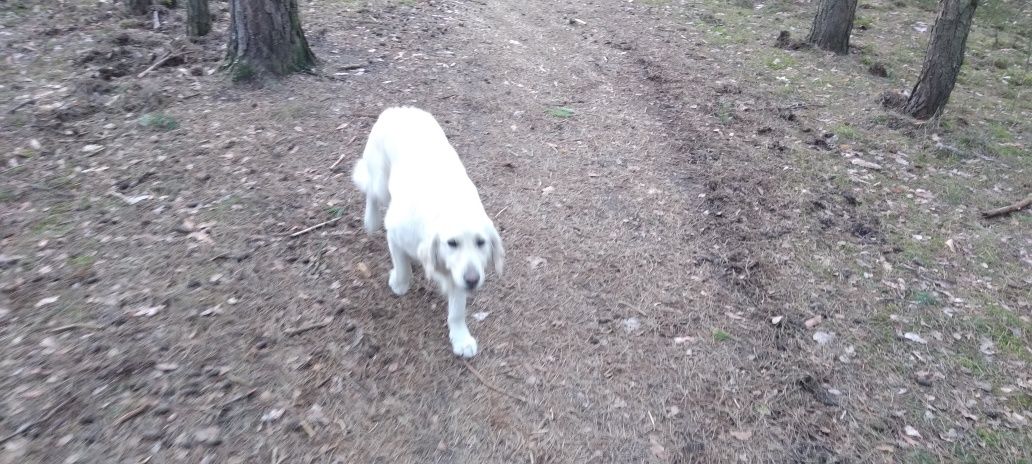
(697, 270)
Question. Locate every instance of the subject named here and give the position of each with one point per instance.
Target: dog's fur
(434, 214)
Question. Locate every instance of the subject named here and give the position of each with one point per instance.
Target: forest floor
(718, 251)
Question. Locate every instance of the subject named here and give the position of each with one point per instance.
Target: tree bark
(943, 59)
(198, 18)
(138, 7)
(265, 37)
(832, 25)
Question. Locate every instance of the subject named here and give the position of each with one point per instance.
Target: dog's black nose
(471, 278)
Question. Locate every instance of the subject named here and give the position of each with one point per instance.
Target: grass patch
(335, 212)
(721, 336)
(561, 112)
(82, 261)
(1007, 331)
(845, 132)
(779, 61)
(925, 299)
(724, 113)
(159, 121)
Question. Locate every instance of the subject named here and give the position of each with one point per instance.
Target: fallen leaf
(912, 432)
(536, 261)
(480, 315)
(272, 415)
(363, 269)
(166, 367)
(915, 338)
(148, 311)
(547, 190)
(813, 321)
(823, 338)
(201, 236)
(742, 435)
(776, 320)
(865, 164)
(91, 149)
(47, 300)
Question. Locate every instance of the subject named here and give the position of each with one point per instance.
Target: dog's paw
(399, 285)
(464, 346)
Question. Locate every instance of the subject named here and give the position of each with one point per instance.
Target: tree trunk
(265, 37)
(138, 7)
(943, 60)
(198, 19)
(832, 25)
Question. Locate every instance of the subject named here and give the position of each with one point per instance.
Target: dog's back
(408, 163)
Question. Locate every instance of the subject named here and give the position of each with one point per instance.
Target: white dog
(434, 214)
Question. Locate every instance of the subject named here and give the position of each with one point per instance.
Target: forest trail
(697, 271)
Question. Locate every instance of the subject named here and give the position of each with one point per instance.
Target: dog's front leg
(463, 343)
(400, 278)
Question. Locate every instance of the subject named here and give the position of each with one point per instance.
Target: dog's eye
(480, 242)
(452, 243)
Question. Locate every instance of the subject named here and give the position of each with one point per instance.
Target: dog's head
(462, 254)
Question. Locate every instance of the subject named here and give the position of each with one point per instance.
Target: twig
(154, 66)
(341, 158)
(499, 213)
(66, 328)
(321, 224)
(306, 328)
(30, 424)
(22, 105)
(135, 412)
(1018, 206)
(491, 385)
(157, 20)
(239, 397)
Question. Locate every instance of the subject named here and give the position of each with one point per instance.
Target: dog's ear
(429, 254)
(497, 250)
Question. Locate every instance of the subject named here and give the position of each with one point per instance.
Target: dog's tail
(360, 176)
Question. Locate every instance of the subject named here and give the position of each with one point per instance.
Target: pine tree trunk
(265, 37)
(198, 18)
(943, 60)
(138, 7)
(832, 25)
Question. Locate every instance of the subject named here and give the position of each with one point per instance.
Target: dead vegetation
(720, 250)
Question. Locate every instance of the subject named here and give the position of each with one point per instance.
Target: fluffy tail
(360, 176)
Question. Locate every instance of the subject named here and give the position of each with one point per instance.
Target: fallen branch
(491, 385)
(28, 425)
(154, 66)
(321, 224)
(134, 413)
(1018, 206)
(306, 328)
(66, 328)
